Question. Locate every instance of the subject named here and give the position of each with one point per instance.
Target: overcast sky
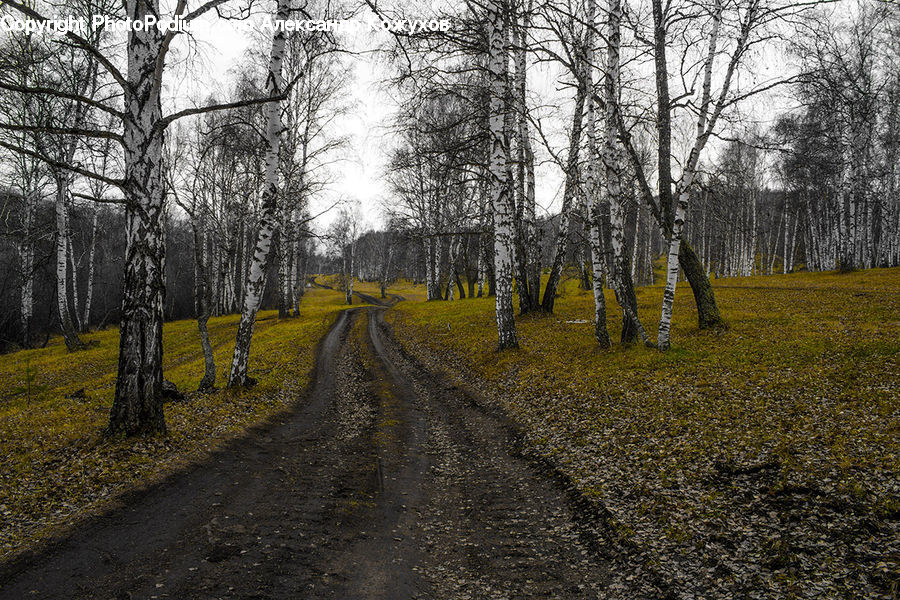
(219, 49)
(360, 174)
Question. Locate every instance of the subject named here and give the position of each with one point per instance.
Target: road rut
(384, 482)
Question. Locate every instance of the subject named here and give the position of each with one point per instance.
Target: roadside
(754, 463)
(56, 468)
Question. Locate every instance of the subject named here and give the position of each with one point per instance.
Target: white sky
(358, 174)
(221, 48)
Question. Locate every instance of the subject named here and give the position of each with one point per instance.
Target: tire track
(382, 484)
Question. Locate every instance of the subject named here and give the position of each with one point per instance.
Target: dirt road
(383, 483)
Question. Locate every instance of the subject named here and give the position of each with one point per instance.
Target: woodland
(678, 219)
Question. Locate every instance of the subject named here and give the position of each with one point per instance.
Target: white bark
(137, 406)
(621, 281)
(26, 254)
(428, 252)
(256, 280)
(503, 223)
(69, 331)
(70, 251)
(92, 253)
(528, 281)
(592, 200)
(348, 274)
(686, 185)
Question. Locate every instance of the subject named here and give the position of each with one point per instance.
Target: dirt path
(384, 483)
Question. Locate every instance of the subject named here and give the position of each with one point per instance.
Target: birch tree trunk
(687, 183)
(70, 253)
(256, 280)
(591, 196)
(70, 334)
(707, 309)
(427, 250)
(203, 302)
(137, 405)
(774, 245)
(787, 246)
(26, 253)
(385, 274)
(503, 222)
(285, 266)
(528, 281)
(848, 216)
(349, 274)
(621, 276)
(236, 262)
(648, 254)
(753, 233)
(672, 269)
(92, 253)
(793, 245)
(569, 193)
(483, 256)
(451, 279)
(300, 274)
(215, 276)
(634, 242)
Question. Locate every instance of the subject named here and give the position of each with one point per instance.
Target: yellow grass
(54, 460)
(808, 371)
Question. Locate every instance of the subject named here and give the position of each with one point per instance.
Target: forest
(679, 220)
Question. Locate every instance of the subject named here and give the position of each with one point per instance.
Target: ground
(386, 482)
(55, 464)
(757, 461)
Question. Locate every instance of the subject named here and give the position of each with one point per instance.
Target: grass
(401, 287)
(784, 424)
(790, 339)
(804, 386)
(55, 464)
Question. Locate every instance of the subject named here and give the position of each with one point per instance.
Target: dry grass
(802, 392)
(57, 465)
(401, 287)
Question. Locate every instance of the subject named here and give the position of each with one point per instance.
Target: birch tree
(592, 200)
(256, 279)
(137, 404)
(748, 23)
(27, 173)
(527, 251)
(704, 130)
(620, 272)
(499, 158)
(343, 235)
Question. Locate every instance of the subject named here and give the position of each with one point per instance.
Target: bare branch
(93, 133)
(61, 165)
(61, 94)
(83, 43)
(166, 121)
(97, 199)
